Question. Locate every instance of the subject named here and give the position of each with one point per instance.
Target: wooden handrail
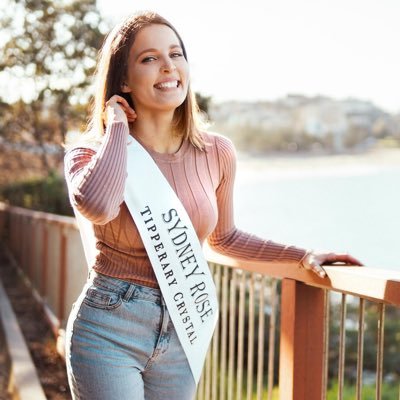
(40, 215)
(380, 285)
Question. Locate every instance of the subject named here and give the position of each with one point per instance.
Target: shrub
(47, 194)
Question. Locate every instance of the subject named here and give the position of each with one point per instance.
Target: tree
(48, 58)
(203, 102)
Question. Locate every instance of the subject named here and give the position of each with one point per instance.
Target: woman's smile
(167, 85)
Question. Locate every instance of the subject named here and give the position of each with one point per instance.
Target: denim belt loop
(91, 274)
(129, 292)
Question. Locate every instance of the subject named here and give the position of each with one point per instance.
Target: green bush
(47, 194)
(389, 392)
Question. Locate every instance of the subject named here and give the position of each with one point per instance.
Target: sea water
(354, 209)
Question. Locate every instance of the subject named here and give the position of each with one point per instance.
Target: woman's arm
(229, 240)
(96, 179)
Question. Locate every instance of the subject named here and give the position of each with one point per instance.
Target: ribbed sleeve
(96, 180)
(229, 240)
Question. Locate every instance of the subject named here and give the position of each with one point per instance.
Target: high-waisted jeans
(121, 345)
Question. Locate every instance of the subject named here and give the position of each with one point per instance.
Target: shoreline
(312, 165)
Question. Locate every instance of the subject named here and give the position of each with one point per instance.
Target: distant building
(318, 116)
(321, 119)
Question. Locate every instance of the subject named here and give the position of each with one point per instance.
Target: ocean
(340, 205)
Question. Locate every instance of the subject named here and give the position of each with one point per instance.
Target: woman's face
(158, 73)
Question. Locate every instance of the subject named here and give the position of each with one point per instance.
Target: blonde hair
(111, 70)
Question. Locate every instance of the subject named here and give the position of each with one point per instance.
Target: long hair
(111, 71)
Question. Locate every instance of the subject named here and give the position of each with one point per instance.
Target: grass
(389, 392)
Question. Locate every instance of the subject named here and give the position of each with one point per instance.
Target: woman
(121, 342)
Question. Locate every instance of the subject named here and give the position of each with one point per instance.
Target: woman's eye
(148, 59)
(176, 54)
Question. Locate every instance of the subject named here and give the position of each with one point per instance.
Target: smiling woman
(147, 194)
(157, 77)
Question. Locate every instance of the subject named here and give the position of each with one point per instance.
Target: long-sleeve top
(202, 180)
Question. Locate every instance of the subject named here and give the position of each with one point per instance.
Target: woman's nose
(168, 65)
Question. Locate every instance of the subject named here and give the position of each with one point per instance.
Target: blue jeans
(121, 344)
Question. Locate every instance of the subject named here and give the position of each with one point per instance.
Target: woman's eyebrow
(153, 50)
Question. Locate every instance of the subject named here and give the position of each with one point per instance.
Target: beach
(290, 166)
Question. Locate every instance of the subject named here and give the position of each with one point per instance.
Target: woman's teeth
(167, 85)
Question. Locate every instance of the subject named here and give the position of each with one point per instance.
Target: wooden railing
(244, 360)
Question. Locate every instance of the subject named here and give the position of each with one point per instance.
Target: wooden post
(44, 258)
(302, 342)
(31, 251)
(25, 239)
(63, 274)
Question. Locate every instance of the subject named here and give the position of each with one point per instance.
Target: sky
(266, 49)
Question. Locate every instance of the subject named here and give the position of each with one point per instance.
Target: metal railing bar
(250, 340)
(342, 344)
(326, 344)
(261, 334)
(207, 380)
(379, 353)
(360, 348)
(232, 334)
(207, 367)
(240, 356)
(224, 332)
(271, 342)
(215, 339)
(200, 388)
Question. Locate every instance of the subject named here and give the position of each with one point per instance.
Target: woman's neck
(157, 133)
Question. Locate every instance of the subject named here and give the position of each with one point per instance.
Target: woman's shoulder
(215, 137)
(218, 143)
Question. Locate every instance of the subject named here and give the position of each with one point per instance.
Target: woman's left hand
(314, 261)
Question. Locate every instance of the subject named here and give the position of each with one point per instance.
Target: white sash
(175, 254)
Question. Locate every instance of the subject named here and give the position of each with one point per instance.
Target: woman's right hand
(118, 110)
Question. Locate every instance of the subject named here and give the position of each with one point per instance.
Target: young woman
(122, 343)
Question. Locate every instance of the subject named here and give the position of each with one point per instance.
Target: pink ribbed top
(203, 181)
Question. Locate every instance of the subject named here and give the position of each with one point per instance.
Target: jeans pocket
(101, 298)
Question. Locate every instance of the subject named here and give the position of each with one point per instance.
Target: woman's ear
(125, 88)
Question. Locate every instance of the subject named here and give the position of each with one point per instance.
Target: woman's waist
(130, 269)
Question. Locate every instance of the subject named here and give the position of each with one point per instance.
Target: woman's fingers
(311, 263)
(317, 269)
(117, 99)
(118, 104)
(121, 101)
(345, 258)
(315, 261)
(131, 114)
